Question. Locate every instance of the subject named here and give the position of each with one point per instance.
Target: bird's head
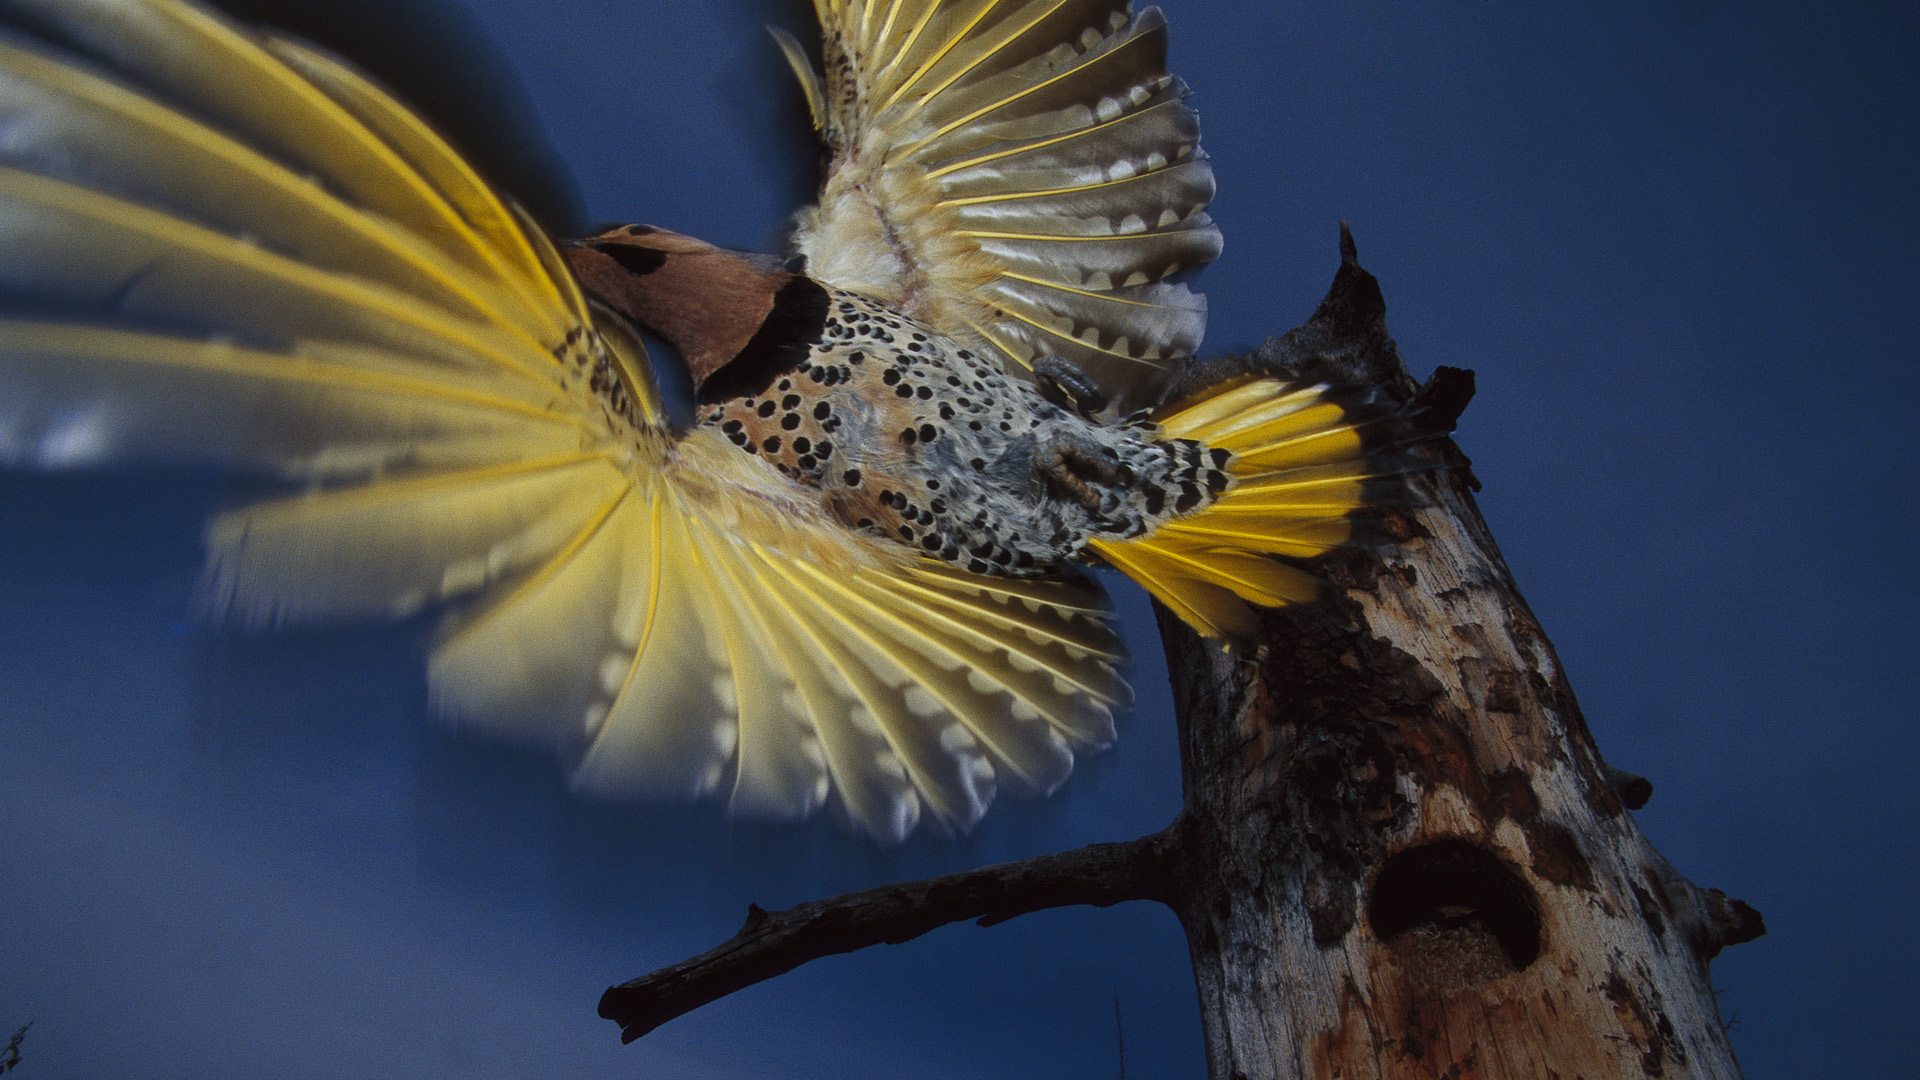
(713, 305)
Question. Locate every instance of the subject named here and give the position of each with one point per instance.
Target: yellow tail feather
(1298, 472)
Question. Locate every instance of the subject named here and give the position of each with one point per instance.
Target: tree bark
(1401, 855)
(1405, 856)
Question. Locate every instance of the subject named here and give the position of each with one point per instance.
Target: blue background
(1676, 242)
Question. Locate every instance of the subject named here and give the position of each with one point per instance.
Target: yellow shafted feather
(1022, 174)
(1297, 471)
(231, 248)
(263, 260)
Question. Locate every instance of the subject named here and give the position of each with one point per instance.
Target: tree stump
(1401, 855)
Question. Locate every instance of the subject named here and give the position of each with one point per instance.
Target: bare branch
(773, 943)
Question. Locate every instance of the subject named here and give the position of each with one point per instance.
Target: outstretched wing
(226, 247)
(1022, 174)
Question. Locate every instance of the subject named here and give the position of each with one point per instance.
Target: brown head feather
(705, 301)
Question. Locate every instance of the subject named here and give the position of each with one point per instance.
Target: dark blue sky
(1675, 241)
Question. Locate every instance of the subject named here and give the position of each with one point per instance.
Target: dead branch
(773, 943)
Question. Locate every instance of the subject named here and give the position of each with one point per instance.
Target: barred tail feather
(1301, 462)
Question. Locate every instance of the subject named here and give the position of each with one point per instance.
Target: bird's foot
(1079, 468)
(1067, 386)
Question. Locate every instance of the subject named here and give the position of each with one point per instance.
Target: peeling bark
(1401, 855)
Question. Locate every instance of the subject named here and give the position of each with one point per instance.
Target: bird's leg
(1067, 386)
(1072, 464)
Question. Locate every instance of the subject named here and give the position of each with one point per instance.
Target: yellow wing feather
(1021, 174)
(283, 269)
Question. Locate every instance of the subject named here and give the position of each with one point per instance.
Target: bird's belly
(909, 437)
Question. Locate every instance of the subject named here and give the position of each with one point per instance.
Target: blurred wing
(233, 249)
(1022, 174)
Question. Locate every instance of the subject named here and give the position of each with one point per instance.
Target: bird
(851, 575)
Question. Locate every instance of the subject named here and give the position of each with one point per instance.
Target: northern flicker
(851, 580)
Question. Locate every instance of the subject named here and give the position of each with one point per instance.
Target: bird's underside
(851, 581)
(905, 436)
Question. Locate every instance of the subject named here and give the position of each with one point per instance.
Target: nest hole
(1458, 914)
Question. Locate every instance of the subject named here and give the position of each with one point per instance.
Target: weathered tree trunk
(1401, 855)
(1404, 856)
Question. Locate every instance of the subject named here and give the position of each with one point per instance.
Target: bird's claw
(1067, 386)
(1082, 470)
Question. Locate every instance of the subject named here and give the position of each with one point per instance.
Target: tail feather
(1301, 466)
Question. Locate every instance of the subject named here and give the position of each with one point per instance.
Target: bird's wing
(1022, 174)
(230, 248)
